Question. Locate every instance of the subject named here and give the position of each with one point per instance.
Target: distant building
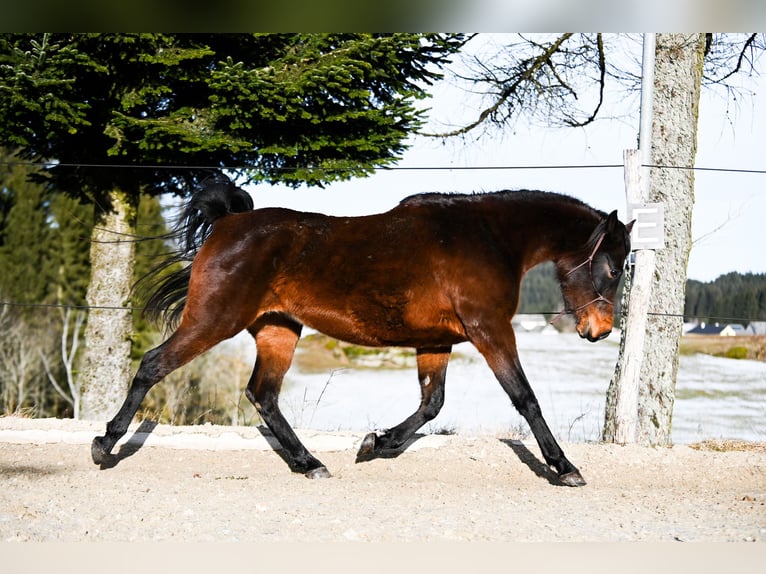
(729, 330)
(756, 328)
(688, 327)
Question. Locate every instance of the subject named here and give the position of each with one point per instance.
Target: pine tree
(125, 114)
(71, 224)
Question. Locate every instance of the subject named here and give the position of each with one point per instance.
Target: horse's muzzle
(598, 337)
(595, 325)
(593, 336)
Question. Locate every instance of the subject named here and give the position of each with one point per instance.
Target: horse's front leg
(432, 370)
(275, 345)
(502, 357)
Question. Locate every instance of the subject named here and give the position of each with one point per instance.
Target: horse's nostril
(586, 333)
(599, 337)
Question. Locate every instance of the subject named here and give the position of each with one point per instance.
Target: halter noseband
(600, 296)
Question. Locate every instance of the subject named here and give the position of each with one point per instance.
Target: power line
(708, 317)
(67, 306)
(132, 308)
(713, 169)
(45, 164)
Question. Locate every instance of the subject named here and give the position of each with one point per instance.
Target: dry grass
(751, 347)
(728, 445)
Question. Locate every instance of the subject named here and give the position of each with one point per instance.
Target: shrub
(736, 353)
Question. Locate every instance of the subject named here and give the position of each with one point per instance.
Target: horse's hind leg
(179, 349)
(275, 344)
(432, 370)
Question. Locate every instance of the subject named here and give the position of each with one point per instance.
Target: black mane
(521, 195)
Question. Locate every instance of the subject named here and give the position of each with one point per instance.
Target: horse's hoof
(318, 472)
(367, 448)
(573, 478)
(97, 451)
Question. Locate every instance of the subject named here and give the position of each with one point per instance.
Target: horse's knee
(431, 410)
(254, 399)
(265, 402)
(433, 405)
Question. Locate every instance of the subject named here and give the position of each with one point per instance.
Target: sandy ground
(226, 484)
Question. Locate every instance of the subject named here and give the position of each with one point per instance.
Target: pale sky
(728, 218)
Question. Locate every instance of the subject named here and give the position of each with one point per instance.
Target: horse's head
(589, 277)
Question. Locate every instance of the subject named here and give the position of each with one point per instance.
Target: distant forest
(731, 298)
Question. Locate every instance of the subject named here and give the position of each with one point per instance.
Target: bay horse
(434, 271)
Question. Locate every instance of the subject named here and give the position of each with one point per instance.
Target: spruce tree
(71, 223)
(125, 114)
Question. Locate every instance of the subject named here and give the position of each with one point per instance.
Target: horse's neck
(550, 232)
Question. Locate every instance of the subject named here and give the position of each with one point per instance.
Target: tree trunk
(105, 368)
(677, 81)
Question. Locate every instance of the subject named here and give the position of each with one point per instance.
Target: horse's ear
(611, 223)
(605, 227)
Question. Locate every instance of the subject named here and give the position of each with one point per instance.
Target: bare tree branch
(52, 378)
(748, 45)
(602, 68)
(526, 75)
(544, 78)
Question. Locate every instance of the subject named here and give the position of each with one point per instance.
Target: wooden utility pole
(622, 398)
(627, 379)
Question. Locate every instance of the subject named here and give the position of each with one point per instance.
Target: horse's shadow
(141, 434)
(131, 446)
(535, 465)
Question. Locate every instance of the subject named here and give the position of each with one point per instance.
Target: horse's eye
(614, 273)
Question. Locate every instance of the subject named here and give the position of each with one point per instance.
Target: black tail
(168, 283)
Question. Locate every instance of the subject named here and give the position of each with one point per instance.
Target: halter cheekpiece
(600, 296)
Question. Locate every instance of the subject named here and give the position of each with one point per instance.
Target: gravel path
(226, 484)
